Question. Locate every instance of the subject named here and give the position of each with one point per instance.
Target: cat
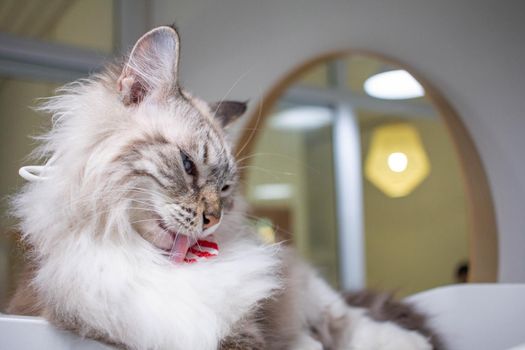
(141, 172)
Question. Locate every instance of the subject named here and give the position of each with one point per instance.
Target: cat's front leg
(246, 335)
(242, 341)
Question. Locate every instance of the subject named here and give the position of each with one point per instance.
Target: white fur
(305, 342)
(96, 274)
(95, 271)
(337, 325)
(367, 334)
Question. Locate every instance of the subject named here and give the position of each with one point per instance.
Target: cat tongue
(180, 247)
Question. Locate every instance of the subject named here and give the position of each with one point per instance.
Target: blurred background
(405, 212)
(44, 44)
(346, 153)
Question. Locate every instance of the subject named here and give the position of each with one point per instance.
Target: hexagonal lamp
(396, 162)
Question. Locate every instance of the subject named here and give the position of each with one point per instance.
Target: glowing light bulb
(397, 162)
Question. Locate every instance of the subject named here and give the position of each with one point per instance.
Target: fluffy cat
(141, 171)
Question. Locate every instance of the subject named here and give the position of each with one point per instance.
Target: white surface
(471, 50)
(31, 333)
(468, 317)
(476, 316)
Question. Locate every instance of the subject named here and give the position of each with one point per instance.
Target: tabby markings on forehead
(208, 123)
(159, 138)
(205, 154)
(165, 166)
(137, 172)
(135, 146)
(160, 161)
(216, 142)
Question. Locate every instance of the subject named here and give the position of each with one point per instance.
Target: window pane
(17, 123)
(290, 182)
(87, 24)
(316, 77)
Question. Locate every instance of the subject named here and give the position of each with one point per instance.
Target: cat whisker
(276, 155)
(239, 79)
(150, 192)
(273, 173)
(252, 133)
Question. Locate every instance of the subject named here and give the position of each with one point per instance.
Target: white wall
(472, 51)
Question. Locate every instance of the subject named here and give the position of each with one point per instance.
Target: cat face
(179, 169)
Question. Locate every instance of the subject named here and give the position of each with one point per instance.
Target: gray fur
(384, 308)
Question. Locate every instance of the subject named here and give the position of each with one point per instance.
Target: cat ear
(152, 67)
(227, 112)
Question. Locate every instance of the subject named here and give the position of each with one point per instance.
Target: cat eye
(226, 189)
(187, 163)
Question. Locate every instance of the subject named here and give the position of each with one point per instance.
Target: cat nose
(210, 219)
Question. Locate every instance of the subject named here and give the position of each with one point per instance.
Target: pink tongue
(180, 247)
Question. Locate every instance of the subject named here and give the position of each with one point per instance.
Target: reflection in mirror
(401, 223)
(284, 189)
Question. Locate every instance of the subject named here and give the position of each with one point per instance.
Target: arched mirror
(370, 173)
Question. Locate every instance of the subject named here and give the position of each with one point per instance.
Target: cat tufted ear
(227, 111)
(152, 67)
